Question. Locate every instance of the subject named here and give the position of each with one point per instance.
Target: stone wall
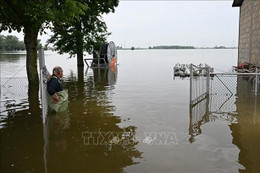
(249, 32)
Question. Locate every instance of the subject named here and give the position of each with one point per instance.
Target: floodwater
(136, 118)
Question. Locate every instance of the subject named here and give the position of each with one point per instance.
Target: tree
(39, 45)
(33, 17)
(10, 43)
(21, 45)
(2, 42)
(86, 33)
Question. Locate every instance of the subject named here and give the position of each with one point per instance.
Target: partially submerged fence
(204, 83)
(199, 94)
(14, 88)
(14, 92)
(216, 94)
(199, 82)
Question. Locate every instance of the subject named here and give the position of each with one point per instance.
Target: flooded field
(134, 119)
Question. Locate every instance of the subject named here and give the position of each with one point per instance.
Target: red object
(245, 67)
(113, 64)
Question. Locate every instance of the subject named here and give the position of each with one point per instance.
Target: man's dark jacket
(54, 85)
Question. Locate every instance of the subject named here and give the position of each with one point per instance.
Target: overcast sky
(188, 23)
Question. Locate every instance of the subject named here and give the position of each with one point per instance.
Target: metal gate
(214, 94)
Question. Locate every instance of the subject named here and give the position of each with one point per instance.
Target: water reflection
(11, 57)
(21, 142)
(145, 95)
(12, 64)
(246, 132)
(90, 111)
(199, 114)
(242, 112)
(105, 76)
(59, 146)
(220, 103)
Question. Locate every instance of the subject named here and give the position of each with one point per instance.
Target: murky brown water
(136, 119)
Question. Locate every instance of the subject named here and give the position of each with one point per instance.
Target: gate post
(208, 79)
(191, 80)
(256, 81)
(43, 84)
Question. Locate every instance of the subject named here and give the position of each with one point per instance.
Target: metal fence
(220, 87)
(14, 88)
(225, 87)
(224, 90)
(199, 98)
(199, 83)
(14, 93)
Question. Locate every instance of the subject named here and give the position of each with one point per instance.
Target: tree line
(12, 43)
(172, 47)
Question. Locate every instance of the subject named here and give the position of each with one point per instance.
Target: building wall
(249, 32)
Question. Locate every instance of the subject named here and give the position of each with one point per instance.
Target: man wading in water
(54, 84)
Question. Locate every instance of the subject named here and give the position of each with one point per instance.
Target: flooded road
(134, 119)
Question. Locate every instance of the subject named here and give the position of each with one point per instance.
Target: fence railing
(199, 82)
(16, 88)
(203, 82)
(221, 97)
